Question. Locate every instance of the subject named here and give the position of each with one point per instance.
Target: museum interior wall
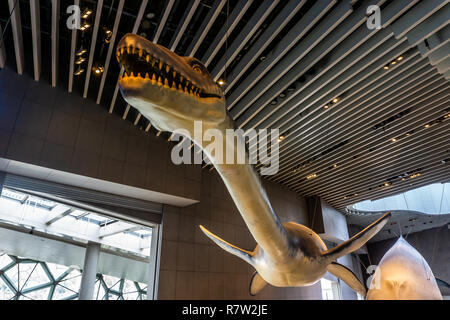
(48, 127)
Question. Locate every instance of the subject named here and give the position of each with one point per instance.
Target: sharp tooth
(174, 85)
(153, 78)
(133, 50)
(132, 74)
(174, 74)
(181, 79)
(121, 51)
(160, 65)
(147, 58)
(139, 75)
(159, 81)
(140, 52)
(180, 87)
(185, 90)
(128, 49)
(167, 69)
(166, 83)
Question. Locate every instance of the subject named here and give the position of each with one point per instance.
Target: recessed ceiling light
(98, 70)
(311, 176)
(86, 13)
(79, 71)
(80, 60)
(394, 139)
(81, 52)
(326, 106)
(394, 62)
(335, 100)
(220, 82)
(386, 67)
(400, 58)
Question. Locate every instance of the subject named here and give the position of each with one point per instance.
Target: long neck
(247, 191)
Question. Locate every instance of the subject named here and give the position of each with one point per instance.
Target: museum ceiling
(364, 113)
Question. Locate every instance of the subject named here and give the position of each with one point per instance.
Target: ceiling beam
(427, 104)
(73, 45)
(264, 9)
(415, 16)
(347, 111)
(36, 36)
(349, 52)
(208, 21)
(107, 233)
(110, 49)
(163, 20)
(188, 13)
(399, 161)
(135, 30)
(317, 136)
(226, 29)
(16, 26)
(275, 27)
(59, 217)
(336, 30)
(334, 83)
(55, 41)
(306, 23)
(433, 24)
(98, 15)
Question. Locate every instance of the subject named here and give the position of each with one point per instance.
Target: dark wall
(432, 244)
(49, 127)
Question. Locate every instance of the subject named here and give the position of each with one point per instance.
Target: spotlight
(79, 71)
(81, 52)
(335, 165)
(400, 58)
(85, 26)
(394, 139)
(387, 184)
(428, 125)
(80, 60)
(221, 82)
(386, 67)
(311, 176)
(86, 13)
(393, 62)
(326, 106)
(108, 34)
(280, 138)
(98, 70)
(335, 100)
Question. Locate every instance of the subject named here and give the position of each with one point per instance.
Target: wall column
(153, 273)
(89, 271)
